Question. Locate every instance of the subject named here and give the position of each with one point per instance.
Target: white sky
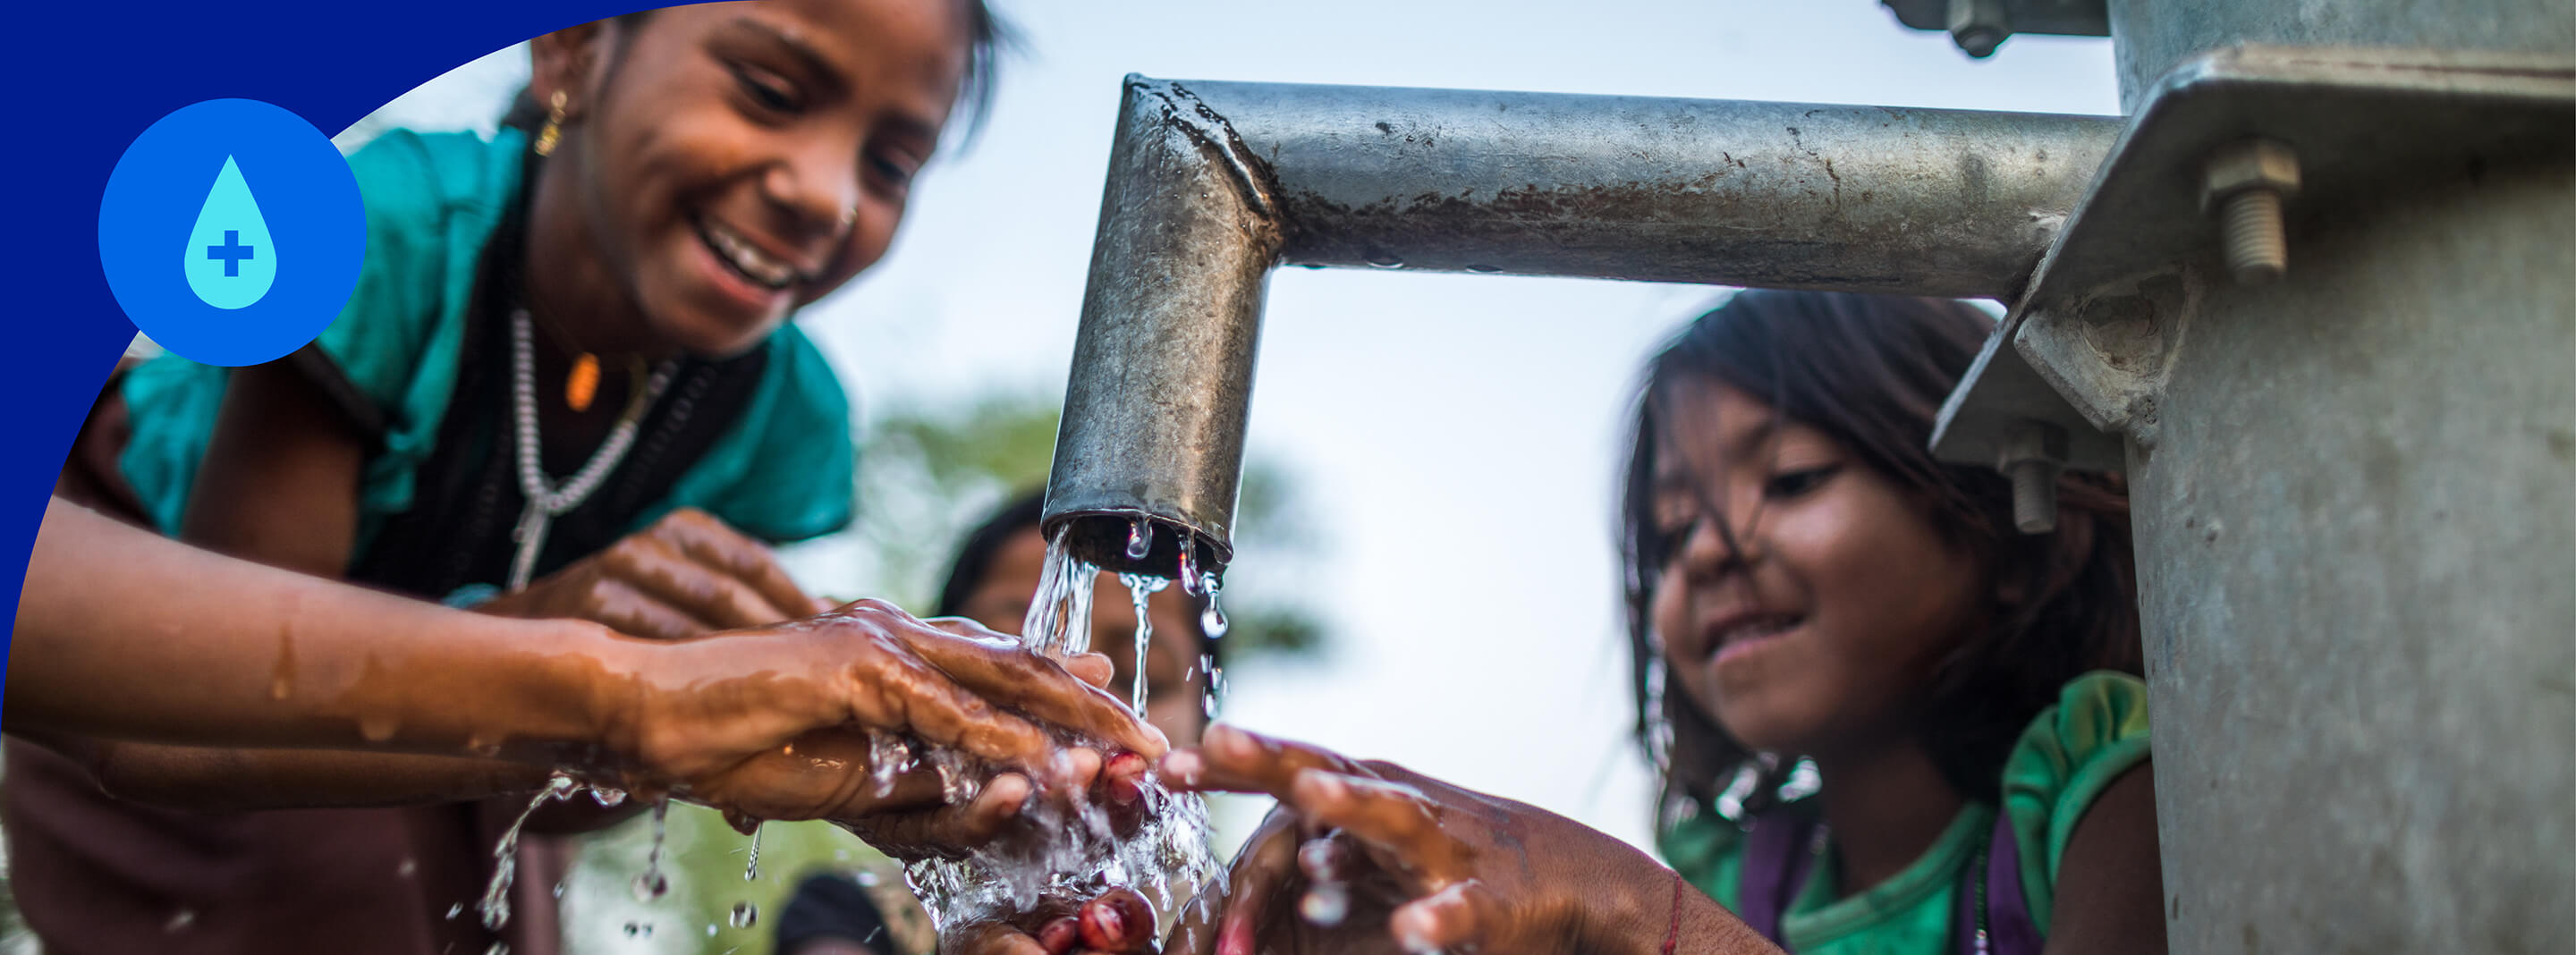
(1458, 435)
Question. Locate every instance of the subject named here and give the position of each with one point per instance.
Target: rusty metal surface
(1211, 183)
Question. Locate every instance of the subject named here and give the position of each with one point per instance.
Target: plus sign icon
(231, 232)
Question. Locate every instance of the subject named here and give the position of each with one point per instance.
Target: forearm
(1636, 905)
(208, 779)
(124, 634)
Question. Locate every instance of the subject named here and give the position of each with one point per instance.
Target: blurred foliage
(928, 474)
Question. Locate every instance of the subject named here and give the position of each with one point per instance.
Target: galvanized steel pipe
(1212, 184)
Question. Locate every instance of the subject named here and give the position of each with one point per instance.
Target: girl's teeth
(750, 260)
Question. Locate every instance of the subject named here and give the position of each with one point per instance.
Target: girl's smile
(722, 164)
(1806, 598)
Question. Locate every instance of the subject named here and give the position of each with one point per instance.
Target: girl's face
(732, 161)
(1815, 636)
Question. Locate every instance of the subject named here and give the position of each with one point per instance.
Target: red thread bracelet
(1673, 932)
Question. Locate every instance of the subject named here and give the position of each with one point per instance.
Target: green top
(782, 470)
(2070, 753)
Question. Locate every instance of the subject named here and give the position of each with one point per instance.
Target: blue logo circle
(231, 232)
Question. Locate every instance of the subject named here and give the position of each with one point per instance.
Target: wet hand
(687, 575)
(771, 722)
(1117, 922)
(1371, 856)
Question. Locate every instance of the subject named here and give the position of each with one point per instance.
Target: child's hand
(685, 576)
(1117, 922)
(785, 739)
(1388, 859)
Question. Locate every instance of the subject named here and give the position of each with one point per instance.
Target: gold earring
(553, 130)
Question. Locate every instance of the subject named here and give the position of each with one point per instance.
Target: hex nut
(2252, 164)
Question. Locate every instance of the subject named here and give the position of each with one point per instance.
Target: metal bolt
(2246, 184)
(2033, 453)
(1978, 26)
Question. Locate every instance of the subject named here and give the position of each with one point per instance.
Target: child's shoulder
(405, 170)
(2064, 760)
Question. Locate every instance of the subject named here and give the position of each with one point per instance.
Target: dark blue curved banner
(86, 79)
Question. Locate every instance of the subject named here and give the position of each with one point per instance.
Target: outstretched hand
(1369, 856)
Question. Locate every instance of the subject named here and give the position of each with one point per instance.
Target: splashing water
(649, 884)
(1143, 588)
(495, 907)
(1073, 848)
(745, 915)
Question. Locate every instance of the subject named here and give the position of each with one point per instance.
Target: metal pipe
(1211, 184)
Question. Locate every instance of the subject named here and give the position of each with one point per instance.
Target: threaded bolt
(2245, 185)
(2034, 490)
(2251, 235)
(2032, 454)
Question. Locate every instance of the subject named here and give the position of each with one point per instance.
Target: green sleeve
(433, 201)
(2070, 753)
(389, 358)
(787, 468)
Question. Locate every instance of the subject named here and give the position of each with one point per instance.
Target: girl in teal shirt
(1884, 720)
(565, 386)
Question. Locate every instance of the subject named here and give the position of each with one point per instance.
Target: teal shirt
(2063, 761)
(782, 471)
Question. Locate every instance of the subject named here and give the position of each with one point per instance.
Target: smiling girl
(564, 387)
(1885, 721)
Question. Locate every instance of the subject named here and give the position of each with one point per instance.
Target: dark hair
(975, 555)
(1871, 372)
(986, 37)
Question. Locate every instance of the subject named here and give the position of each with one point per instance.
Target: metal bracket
(2090, 338)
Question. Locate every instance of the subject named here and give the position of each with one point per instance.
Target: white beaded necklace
(547, 503)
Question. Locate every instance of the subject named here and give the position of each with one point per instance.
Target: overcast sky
(1455, 437)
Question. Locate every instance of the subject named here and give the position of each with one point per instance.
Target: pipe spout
(1211, 185)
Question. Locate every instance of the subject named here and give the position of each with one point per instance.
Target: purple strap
(2009, 929)
(1775, 867)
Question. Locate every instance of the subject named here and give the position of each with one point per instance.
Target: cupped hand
(687, 575)
(1369, 856)
(1116, 922)
(773, 722)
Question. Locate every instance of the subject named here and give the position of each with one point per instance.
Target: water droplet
(179, 921)
(498, 948)
(1140, 539)
(559, 887)
(711, 930)
(1326, 904)
(745, 915)
(607, 797)
(229, 260)
(751, 869)
(631, 929)
(378, 728)
(1384, 260)
(1212, 620)
(866, 880)
(1484, 269)
(407, 868)
(455, 910)
(1189, 565)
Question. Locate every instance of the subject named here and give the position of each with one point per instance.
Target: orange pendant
(583, 384)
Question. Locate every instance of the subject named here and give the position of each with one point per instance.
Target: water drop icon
(229, 260)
